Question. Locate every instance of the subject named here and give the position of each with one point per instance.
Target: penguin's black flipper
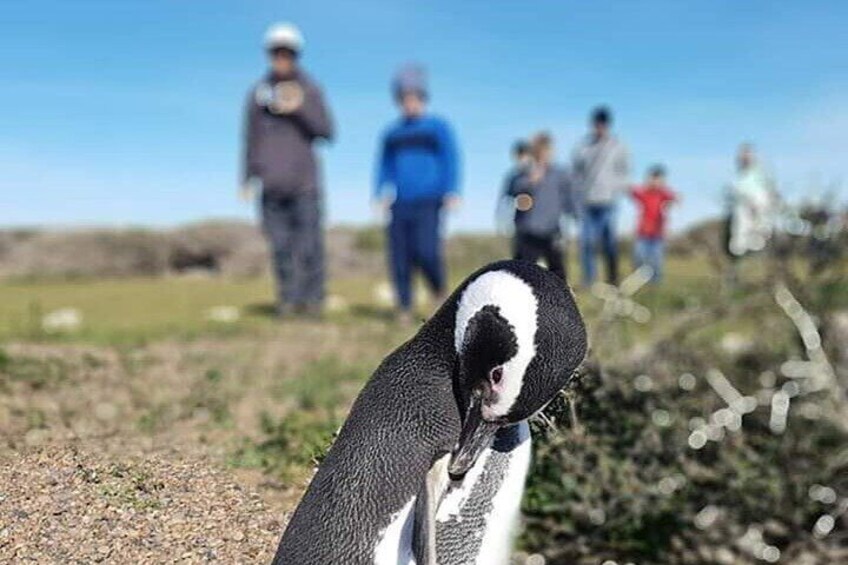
(426, 505)
(423, 530)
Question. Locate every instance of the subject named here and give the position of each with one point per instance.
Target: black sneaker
(311, 311)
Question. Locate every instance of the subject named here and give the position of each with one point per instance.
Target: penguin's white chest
(476, 519)
(394, 546)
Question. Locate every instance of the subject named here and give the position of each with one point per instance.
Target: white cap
(284, 35)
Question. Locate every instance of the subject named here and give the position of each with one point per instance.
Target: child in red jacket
(652, 199)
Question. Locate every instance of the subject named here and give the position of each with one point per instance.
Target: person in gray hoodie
(542, 194)
(285, 114)
(601, 168)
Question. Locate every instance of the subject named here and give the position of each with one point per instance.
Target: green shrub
(622, 482)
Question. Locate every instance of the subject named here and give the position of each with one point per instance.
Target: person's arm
(773, 193)
(251, 118)
(578, 163)
(249, 166)
(385, 169)
(509, 184)
(621, 166)
(313, 115)
(505, 204)
(578, 174)
(450, 160)
(569, 198)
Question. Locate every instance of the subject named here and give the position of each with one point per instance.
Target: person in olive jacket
(285, 115)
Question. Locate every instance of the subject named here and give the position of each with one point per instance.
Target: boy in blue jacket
(417, 176)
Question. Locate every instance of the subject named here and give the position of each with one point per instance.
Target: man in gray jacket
(285, 114)
(601, 168)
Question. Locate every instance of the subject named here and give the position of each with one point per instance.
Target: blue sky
(128, 112)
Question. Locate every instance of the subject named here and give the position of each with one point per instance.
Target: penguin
(460, 390)
(479, 508)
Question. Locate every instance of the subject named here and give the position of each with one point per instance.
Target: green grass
(326, 385)
(125, 308)
(143, 309)
(290, 446)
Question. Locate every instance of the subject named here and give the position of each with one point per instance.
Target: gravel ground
(61, 505)
(124, 454)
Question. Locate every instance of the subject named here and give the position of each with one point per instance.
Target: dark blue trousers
(294, 229)
(598, 225)
(415, 241)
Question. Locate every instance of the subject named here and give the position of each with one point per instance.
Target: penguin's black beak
(475, 436)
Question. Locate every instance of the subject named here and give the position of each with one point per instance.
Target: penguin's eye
(496, 375)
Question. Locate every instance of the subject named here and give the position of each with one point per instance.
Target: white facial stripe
(517, 304)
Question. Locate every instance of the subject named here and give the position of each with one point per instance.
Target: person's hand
(381, 207)
(247, 191)
(288, 97)
(452, 202)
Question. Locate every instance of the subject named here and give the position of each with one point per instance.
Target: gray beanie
(411, 77)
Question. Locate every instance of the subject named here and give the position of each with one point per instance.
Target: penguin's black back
(403, 418)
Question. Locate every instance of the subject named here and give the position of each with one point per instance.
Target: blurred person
(542, 194)
(506, 202)
(417, 177)
(653, 199)
(285, 115)
(601, 168)
(751, 202)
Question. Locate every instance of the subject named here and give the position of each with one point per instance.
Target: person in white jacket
(751, 202)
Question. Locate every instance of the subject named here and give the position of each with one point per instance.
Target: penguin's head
(518, 337)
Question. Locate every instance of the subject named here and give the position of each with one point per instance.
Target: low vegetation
(178, 365)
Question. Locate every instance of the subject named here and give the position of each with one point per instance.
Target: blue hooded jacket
(418, 159)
